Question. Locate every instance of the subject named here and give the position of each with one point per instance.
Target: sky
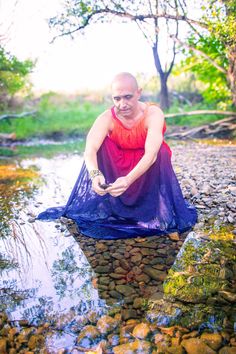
(88, 62)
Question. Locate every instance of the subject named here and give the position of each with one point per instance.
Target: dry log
(21, 115)
(223, 128)
(11, 136)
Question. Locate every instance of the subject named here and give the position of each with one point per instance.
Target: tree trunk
(164, 93)
(231, 74)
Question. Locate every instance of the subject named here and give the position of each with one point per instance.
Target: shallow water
(51, 277)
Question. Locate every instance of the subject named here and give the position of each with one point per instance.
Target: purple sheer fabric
(152, 205)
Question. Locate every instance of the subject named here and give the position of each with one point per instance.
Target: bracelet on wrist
(95, 173)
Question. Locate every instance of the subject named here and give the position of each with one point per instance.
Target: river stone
(137, 346)
(107, 324)
(142, 278)
(138, 303)
(175, 350)
(125, 290)
(147, 251)
(141, 331)
(214, 340)
(88, 336)
(196, 346)
(36, 341)
(124, 264)
(231, 297)
(115, 294)
(174, 236)
(117, 256)
(116, 275)
(227, 350)
(136, 258)
(154, 273)
(103, 269)
(120, 270)
(3, 345)
(104, 280)
(128, 314)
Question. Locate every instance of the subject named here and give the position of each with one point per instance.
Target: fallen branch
(182, 114)
(223, 128)
(21, 115)
(11, 136)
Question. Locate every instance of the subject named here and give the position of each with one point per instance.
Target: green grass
(54, 120)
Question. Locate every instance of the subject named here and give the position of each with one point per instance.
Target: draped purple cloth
(152, 205)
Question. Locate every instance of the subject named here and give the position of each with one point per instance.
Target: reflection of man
(127, 186)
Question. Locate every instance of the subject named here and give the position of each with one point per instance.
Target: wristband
(95, 173)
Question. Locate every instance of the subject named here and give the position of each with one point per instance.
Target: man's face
(125, 97)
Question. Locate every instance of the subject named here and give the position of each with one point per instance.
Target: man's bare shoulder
(105, 116)
(154, 109)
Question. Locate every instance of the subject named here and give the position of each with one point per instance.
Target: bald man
(129, 110)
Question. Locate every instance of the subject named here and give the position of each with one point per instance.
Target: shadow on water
(117, 296)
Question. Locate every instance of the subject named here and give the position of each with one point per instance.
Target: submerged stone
(137, 346)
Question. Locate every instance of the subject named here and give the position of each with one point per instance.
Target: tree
(154, 18)
(203, 18)
(13, 74)
(215, 88)
(211, 48)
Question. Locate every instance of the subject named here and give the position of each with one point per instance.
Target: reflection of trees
(11, 297)
(16, 187)
(72, 275)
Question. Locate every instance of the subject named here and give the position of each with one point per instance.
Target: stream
(68, 293)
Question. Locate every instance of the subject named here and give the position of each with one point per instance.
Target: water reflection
(45, 276)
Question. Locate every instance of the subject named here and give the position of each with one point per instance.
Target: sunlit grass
(54, 120)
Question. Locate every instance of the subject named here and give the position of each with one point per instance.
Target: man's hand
(96, 185)
(119, 186)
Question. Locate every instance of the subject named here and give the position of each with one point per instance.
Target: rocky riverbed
(156, 303)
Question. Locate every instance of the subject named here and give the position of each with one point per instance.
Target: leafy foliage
(13, 73)
(215, 88)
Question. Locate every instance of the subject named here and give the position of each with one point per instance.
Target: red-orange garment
(130, 138)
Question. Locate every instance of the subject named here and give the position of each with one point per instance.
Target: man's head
(125, 94)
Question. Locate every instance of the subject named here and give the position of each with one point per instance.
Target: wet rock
(154, 273)
(125, 290)
(213, 340)
(138, 303)
(3, 345)
(196, 346)
(231, 297)
(129, 313)
(227, 350)
(174, 236)
(88, 336)
(36, 342)
(137, 346)
(141, 331)
(175, 350)
(107, 324)
(103, 269)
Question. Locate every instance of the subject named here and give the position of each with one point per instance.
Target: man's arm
(155, 122)
(94, 140)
